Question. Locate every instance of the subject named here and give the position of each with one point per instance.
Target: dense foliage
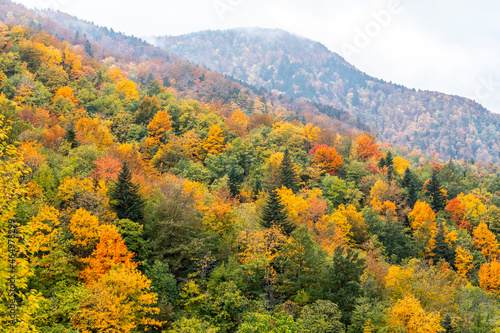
(128, 208)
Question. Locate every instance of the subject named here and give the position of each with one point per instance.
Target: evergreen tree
(442, 250)
(409, 183)
(340, 281)
(435, 191)
(447, 324)
(381, 163)
(234, 181)
(288, 177)
(274, 213)
(88, 48)
(389, 162)
(71, 137)
(125, 199)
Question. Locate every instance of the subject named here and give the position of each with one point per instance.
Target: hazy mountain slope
(145, 62)
(453, 126)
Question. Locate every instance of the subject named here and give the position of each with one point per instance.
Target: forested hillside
(145, 62)
(452, 126)
(127, 206)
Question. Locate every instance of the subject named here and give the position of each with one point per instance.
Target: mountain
(452, 126)
(145, 62)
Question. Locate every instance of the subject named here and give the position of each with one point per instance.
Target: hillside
(452, 126)
(132, 205)
(146, 62)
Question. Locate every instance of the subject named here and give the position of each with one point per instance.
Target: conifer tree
(435, 191)
(234, 181)
(274, 213)
(389, 162)
(288, 177)
(125, 199)
(411, 188)
(442, 249)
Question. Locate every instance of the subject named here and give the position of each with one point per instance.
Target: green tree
(126, 201)
(340, 280)
(274, 213)
(435, 191)
(322, 317)
(389, 162)
(287, 174)
(409, 183)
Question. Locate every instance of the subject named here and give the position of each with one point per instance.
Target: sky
(450, 46)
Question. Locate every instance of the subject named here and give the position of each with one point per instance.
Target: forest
(453, 126)
(134, 205)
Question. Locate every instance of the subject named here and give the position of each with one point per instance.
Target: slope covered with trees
(126, 207)
(452, 126)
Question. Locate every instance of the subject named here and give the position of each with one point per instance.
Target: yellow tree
(486, 241)
(120, 301)
(489, 277)
(463, 261)
(158, 129)
(49, 246)
(214, 142)
(238, 123)
(423, 223)
(332, 231)
(65, 92)
(91, 131)
(407, 315)
(85, 229)
(128, 89)
(14, 265)
(259, 251)
(400, 165)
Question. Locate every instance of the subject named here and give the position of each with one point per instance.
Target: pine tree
(442, 250)
(288, 177)
(274, 213)
(71, 137)
(389, 162)
(435, 191)
(234, 181)
(125, 199)
(88, 48)
(409, 184)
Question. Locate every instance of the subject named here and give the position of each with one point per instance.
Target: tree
(327, 158)
(408, 315)
(234, 181)
(433, 187)
(214, 142)
(489, 277)
(389, 162)
(340, 280)
(409, 183)
(126, 201)
(274, 214)
(365, 148)
(119, 301)
(463, 261)
(486, 241)
(322, 317)
(287, 174)
(158, 129)
(423, 223)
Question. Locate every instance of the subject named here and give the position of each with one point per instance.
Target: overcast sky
(450, 46)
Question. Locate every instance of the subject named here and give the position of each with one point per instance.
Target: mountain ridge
(453, 126)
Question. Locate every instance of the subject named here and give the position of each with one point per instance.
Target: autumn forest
(135, 200)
